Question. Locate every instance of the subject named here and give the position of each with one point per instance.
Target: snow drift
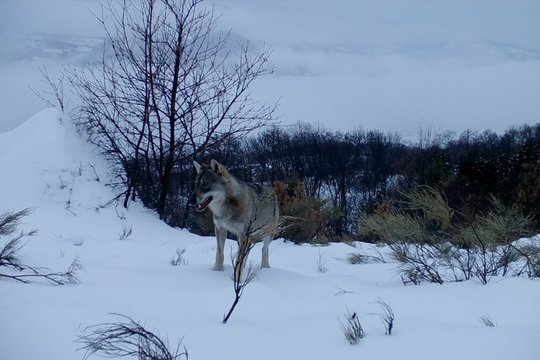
(289, 312)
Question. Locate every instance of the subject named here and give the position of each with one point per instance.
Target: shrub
(487, 320)
(530, 253)
(359, 258)
(179, 259)
(432, 244)
(352, 328)
(387, 316)
(304, 219)
(321, 265)
(127, 338)
(10, 258)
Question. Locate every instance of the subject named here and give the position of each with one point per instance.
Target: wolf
(248, 210)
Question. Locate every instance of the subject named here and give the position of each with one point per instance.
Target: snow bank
(289, 312)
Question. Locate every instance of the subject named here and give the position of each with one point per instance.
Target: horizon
(393, 67)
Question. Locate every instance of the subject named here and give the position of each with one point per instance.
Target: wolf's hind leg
(221, 235)
(266, 242)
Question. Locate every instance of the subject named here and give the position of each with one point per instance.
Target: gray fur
(248, 210)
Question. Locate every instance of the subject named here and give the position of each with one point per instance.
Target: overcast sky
(341, 64)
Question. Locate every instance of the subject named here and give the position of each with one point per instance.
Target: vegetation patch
(432, 242)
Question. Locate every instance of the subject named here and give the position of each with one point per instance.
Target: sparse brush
(304, 219)
(506, 223)
(321, 265)
(179, 259)
(126, 232)
(431, 244)
(53, 96)
(391, 228)
(96, 176)
(424, 219)
(352, 328)
(387, 316)
(10, 255)
(9, 221)
(26, 272)
(127, 338)
(487, 320)
(343, 291)
(434, 208)
(359, 258)
(531, 253)
(418, 262)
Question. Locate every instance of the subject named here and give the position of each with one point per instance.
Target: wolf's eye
(205, 184)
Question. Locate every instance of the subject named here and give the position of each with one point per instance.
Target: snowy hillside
(289, 312)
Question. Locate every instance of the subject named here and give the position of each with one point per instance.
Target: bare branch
(487, 320)
(10, 256)
(53, 96)
(243, 277)
(127, 338)
(69, 276)
(387, 316)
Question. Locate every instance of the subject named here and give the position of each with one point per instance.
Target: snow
(289, 312)
(342, 64)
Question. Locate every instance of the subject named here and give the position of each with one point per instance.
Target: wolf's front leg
(221, 235)
(241, 256)
(266, 242)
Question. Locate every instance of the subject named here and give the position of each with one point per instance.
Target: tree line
(170, 88)
(347, 174)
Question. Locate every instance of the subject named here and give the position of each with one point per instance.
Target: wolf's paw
(218, 267)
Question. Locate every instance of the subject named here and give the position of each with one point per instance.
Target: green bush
(431, 243)
(304, 219)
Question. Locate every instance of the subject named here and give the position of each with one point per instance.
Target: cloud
(383, 24)
(379, 64)
(74, 17)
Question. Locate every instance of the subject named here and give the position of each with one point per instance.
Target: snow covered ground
(289, 312)
(342, 64)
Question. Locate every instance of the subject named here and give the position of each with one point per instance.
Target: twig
(127, 338)
(387, 317)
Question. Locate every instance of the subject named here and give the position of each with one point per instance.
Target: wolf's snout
(202, 206)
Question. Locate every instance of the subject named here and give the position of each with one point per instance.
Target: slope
(289, 312)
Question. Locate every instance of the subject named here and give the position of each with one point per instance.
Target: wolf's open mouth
(202, 206)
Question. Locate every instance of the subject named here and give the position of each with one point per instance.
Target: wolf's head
(210, 184)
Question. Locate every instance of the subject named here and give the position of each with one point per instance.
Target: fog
(394, 66)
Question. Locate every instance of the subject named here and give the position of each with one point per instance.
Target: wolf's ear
(197, 166)
(217, 167)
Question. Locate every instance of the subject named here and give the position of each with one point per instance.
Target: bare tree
(166, 90)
